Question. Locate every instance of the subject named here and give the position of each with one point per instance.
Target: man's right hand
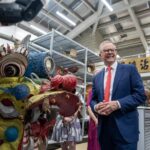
(99, 106)
(106, 108)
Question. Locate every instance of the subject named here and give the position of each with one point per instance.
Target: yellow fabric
(4, 124)
(40, 97)
(6, 82)
(10, 82)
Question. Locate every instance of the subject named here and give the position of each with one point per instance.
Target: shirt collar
(113, 66)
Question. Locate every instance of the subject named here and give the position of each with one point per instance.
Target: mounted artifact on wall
(91, 68)
(71, 53)
(61, 70)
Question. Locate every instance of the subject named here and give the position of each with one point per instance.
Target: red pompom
(56, 82)
(69, 82)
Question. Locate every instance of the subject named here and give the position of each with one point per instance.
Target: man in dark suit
(117, 91)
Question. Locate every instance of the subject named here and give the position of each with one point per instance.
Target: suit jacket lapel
(118, 75)
(101, 83)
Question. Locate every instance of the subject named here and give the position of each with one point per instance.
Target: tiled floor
(82, 146)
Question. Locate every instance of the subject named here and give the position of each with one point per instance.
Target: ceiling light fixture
(38, 29)
(66, 18)
(107, 5)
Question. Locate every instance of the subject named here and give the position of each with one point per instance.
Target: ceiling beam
(130, 45)
(122, 19)
(99, 11)
(62, 5)
(56, 20)
(131, 42)
(26, 26)
(128, 31)
(147, 25)
(143, 12)
(49, 10)
(126, 43)
(148, 38)
(89, 5)
(8, 37)
(118, 7)
(138, 27)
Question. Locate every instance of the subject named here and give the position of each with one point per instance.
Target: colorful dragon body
(25, 107)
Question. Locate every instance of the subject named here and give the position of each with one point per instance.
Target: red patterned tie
(108, 85)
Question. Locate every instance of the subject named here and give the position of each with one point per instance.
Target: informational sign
(142, 64)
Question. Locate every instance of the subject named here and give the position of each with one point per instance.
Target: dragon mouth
(1, 141)
(7, 102)
(7, 109)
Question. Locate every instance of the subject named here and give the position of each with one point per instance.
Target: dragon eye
(48, 64)
(11, 70)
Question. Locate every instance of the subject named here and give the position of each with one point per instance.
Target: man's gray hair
(103, 43)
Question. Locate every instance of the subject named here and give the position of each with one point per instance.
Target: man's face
(108, 53)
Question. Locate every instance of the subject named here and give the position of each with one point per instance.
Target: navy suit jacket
(128, 89)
